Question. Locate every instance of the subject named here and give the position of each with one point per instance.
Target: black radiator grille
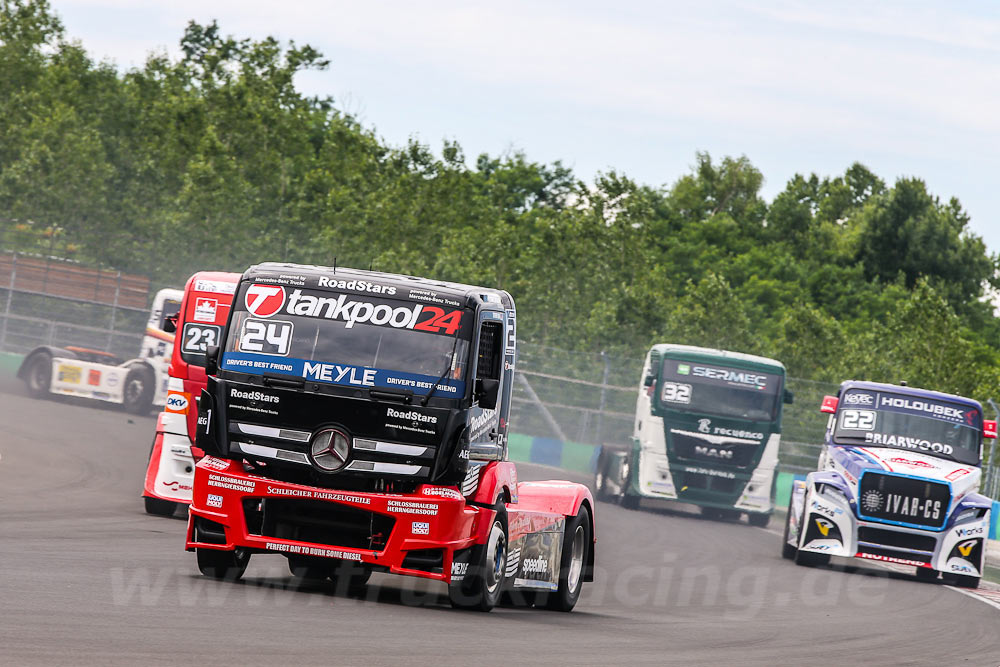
(317, 521)
(693, 448)
(906, 500)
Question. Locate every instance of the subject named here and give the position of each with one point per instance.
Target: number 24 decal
(266, 336)
(440, 320)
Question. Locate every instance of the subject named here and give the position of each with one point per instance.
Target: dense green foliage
(216, 160)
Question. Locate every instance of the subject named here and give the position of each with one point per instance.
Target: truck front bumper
(415, 534)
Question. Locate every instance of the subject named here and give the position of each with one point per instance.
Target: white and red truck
(137, 384)
(204, 308)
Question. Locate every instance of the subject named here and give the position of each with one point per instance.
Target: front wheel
(38, 375)
(224, 565)
(759, 520)
(159, 507)
(964, 581)
(601, 479)
(788, 550)
(630, 502)
(809, 558)
(577, 543)
(137, 394)
(480, 589)
(350, 577)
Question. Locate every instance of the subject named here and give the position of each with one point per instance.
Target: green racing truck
(707, 431)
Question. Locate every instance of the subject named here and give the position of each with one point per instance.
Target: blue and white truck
(897, 481)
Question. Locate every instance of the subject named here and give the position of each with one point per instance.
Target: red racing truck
(204, 309)
(357, 421)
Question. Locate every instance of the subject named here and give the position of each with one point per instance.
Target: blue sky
(907, 88)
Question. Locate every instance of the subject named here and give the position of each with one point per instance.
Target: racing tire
(223, 565)
(926, 574)
(38, 375)
(481, 588)
(758, 520)
(788, 550)
(159, 507)
(350, 577)
(137, 394)
(809, 558)
(963, 581)
(630, 502)
(601, 492)
(577, 542)
(310, 569)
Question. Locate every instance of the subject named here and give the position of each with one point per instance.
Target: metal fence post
(604, 397)
(114, 312)
(10, 296)
(990, 474)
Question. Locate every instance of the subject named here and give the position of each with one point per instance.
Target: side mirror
(170, 323)
(648, 380)
(789, 397)
(990, 429)
(487, 391)
(212, 360)
(829, 404)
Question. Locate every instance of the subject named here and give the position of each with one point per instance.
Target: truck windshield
(913, 423)
(349, 339)
(712, 389)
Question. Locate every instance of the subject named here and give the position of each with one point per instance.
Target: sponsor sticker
(442, 491)
(355, 285)
(420, 528)
(70, 374)
(891, 559)
(214, 463)
(408, 507)
(94, 377)
(232, 483)
(177, 402)
(312, 551)
(213, 500)
(216, 286)
(205, 309)
(264, 300)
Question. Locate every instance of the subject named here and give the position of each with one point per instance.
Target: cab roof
(711, 355)
(311, 273)
(909, 391)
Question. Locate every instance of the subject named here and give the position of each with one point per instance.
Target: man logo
(264, 300)
(965, 548)
(824, 526)
(703, 425)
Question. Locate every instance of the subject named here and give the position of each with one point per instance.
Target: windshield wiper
(401, 396)
(279, 381)
(447, 367)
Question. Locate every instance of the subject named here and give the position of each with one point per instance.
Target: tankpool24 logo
(267, 300)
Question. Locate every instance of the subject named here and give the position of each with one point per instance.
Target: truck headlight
(833, 493)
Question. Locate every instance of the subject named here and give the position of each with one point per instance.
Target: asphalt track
(86, 577)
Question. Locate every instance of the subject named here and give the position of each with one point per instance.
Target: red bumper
(432, 518)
